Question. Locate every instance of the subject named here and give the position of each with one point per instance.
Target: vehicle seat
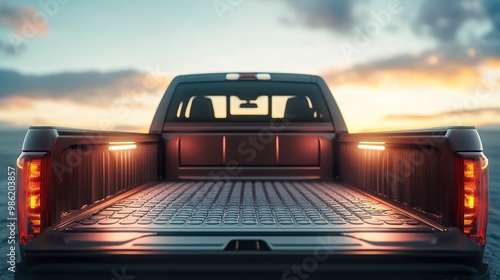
(297, 109)
(202, 109)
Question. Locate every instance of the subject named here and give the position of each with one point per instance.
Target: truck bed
(243, 206)
(216, 230)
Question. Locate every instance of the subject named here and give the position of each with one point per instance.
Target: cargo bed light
(114, 146)
(372, 146)
(236, 77)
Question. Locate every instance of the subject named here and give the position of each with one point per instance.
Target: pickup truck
(251, 176)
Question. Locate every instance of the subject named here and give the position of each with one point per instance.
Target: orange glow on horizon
(446, 77)
(453, 77)
(471, 52)
(433, 60)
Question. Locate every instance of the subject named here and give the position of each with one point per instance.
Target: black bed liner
(235, 206)
(341, 240)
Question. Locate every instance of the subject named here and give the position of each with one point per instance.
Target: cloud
(448, 65)
(442, 19)
(132, 128)
(16, 103)
(336, 15)
(124, 100)
(25, 23)
(95, 88)
(22, 18)
(10, 49)
(476, 116)
(492, 8)
(416, 117)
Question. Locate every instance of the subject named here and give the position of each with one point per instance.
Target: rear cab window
(247, 101)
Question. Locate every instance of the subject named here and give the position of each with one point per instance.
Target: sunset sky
(390, 64)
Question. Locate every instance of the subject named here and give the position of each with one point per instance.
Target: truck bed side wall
(84, 170)
(416, 169)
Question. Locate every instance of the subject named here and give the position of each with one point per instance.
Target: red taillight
(31, 195)
(473, 186)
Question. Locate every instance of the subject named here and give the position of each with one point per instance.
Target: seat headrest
(202, 109)
(297, 109)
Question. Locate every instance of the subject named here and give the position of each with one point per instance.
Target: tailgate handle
(247, 245)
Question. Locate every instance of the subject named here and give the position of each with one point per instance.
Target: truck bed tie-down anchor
(247, 245)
